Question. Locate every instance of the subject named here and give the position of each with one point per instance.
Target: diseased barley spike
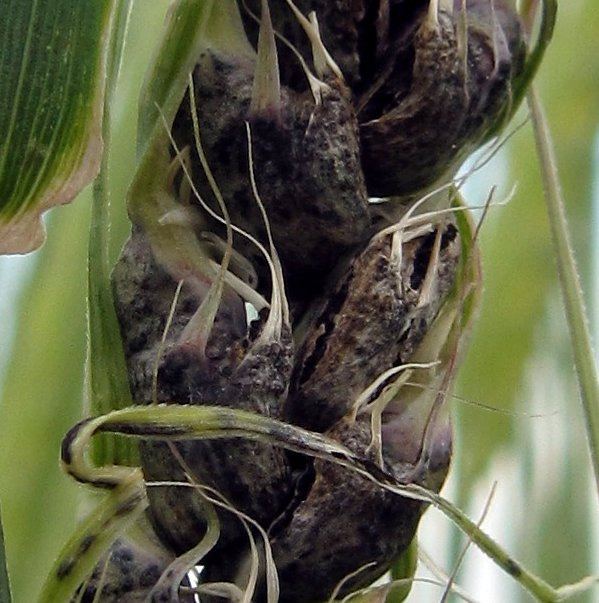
(283, 150)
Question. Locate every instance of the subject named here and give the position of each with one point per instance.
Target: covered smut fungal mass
(277, 286)
(306, 162)
(370, 321)
(235, 370)
(428, 85)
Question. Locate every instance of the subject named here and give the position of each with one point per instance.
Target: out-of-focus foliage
(517, 252)
(42, 388)
(520, 288)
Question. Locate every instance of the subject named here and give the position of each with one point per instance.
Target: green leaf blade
(52, 63)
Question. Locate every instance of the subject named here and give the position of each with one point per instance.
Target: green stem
(5, 595)
(541, 590)
(108, 384)
(584, 358)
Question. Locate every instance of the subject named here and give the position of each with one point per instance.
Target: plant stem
(108, 384)
(569, 279)
(5, 595)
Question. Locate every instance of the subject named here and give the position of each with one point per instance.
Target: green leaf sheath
(173, 61)
(52, 71)
(94, 536)
(191, 26)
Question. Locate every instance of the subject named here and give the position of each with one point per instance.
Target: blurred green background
(520, 364)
